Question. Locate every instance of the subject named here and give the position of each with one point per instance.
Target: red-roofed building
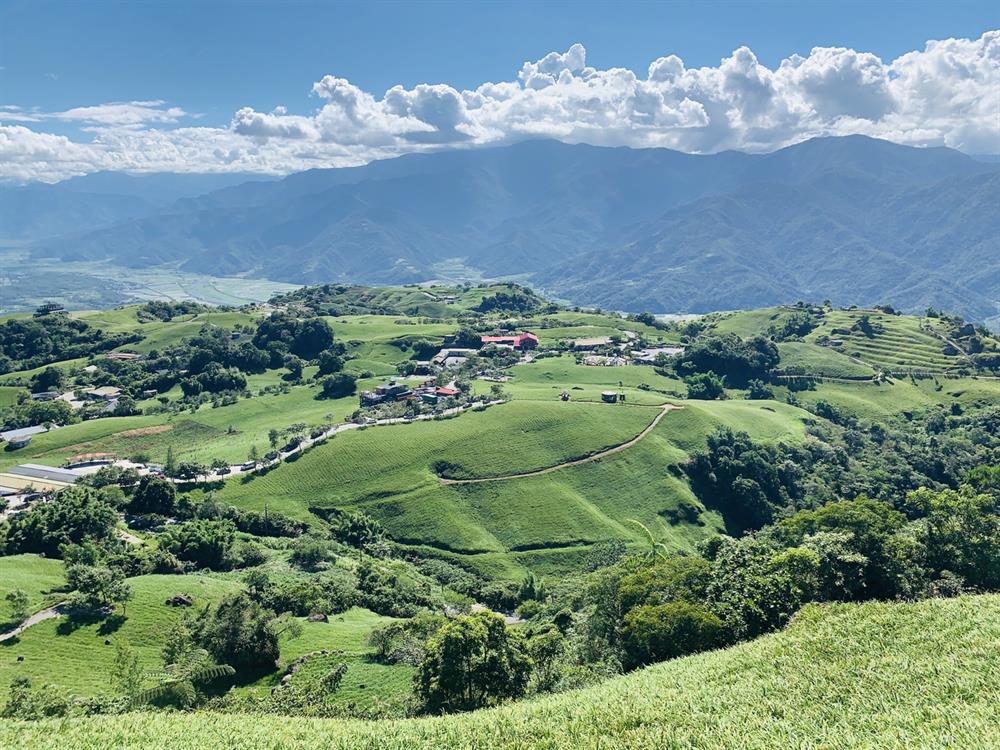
(526, 340)
(445, 392)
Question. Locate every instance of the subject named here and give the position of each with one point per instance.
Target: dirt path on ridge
(576, 462)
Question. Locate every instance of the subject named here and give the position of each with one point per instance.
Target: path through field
(577, 462)
(48, 613)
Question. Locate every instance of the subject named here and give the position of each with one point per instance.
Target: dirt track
(577, 462)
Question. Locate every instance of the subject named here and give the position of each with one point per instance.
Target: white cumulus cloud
(947, 93)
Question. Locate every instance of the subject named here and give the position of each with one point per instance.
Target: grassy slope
(842, 676)
(38, 577)
(346, 634)
(902, 345)
(78, 659)
(542, 522)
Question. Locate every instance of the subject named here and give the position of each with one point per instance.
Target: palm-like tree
(656, 549)
(178, 680)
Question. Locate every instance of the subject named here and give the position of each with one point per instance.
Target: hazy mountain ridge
(853, 219)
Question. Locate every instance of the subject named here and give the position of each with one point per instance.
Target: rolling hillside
(872, 675)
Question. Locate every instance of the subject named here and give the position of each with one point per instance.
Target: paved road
(595, 457)
(237, 470)
(41, 616)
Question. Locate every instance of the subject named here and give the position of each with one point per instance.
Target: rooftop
(23, 432)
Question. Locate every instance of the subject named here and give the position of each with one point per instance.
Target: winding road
(576, 462)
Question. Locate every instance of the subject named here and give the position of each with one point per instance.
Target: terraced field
(200, 437)
(546, 379)
(820, 360)
(840, 676)
(898, 343)
(346, 634)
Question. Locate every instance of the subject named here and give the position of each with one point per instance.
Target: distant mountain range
(852, 219)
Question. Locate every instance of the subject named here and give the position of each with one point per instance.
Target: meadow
(544, 522)
(40, 578)
(873, 675)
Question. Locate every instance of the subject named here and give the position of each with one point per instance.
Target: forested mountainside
(851, 219)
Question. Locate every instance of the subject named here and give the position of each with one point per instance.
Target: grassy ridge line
(841, 676)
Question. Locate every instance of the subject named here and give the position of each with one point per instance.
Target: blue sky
(207, 60)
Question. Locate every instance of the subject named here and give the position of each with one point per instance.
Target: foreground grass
(842, 676)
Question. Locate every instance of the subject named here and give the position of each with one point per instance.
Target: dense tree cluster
(29, 343)
(730, 357)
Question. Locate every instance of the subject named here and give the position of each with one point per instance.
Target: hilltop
(810, 686)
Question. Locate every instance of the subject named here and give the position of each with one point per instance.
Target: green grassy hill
(544, 522)
(840, 676)
(79, 656)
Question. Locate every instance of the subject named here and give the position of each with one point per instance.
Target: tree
(154, 495)
(705, 386)
(330, 362)
(253, 456)
(170, 465)
(758, 390)
(294, 366)
(273, 436)
(72, 516)
(126, 672)
(338, 385)
(473, 661)
(666, 631)
(49, 379)
(241, 632)
(17, 602)
(656, 549)
(97, 587)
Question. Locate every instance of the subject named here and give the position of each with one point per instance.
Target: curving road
(48, 613)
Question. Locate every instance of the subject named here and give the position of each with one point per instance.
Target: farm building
(45, 396)
(386, 393)
(523, 341)
(592, 343)
(124, 356)
(610, 397)
(104, 393)
(595, 360)
(46, 478)
(649, 356)
(453, 357)
(22, 437)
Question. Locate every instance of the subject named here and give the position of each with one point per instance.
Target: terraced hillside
(894, 343)
(872, 675)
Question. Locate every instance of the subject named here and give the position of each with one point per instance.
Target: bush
(705, 386)
(664, 631)
(206, 544)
